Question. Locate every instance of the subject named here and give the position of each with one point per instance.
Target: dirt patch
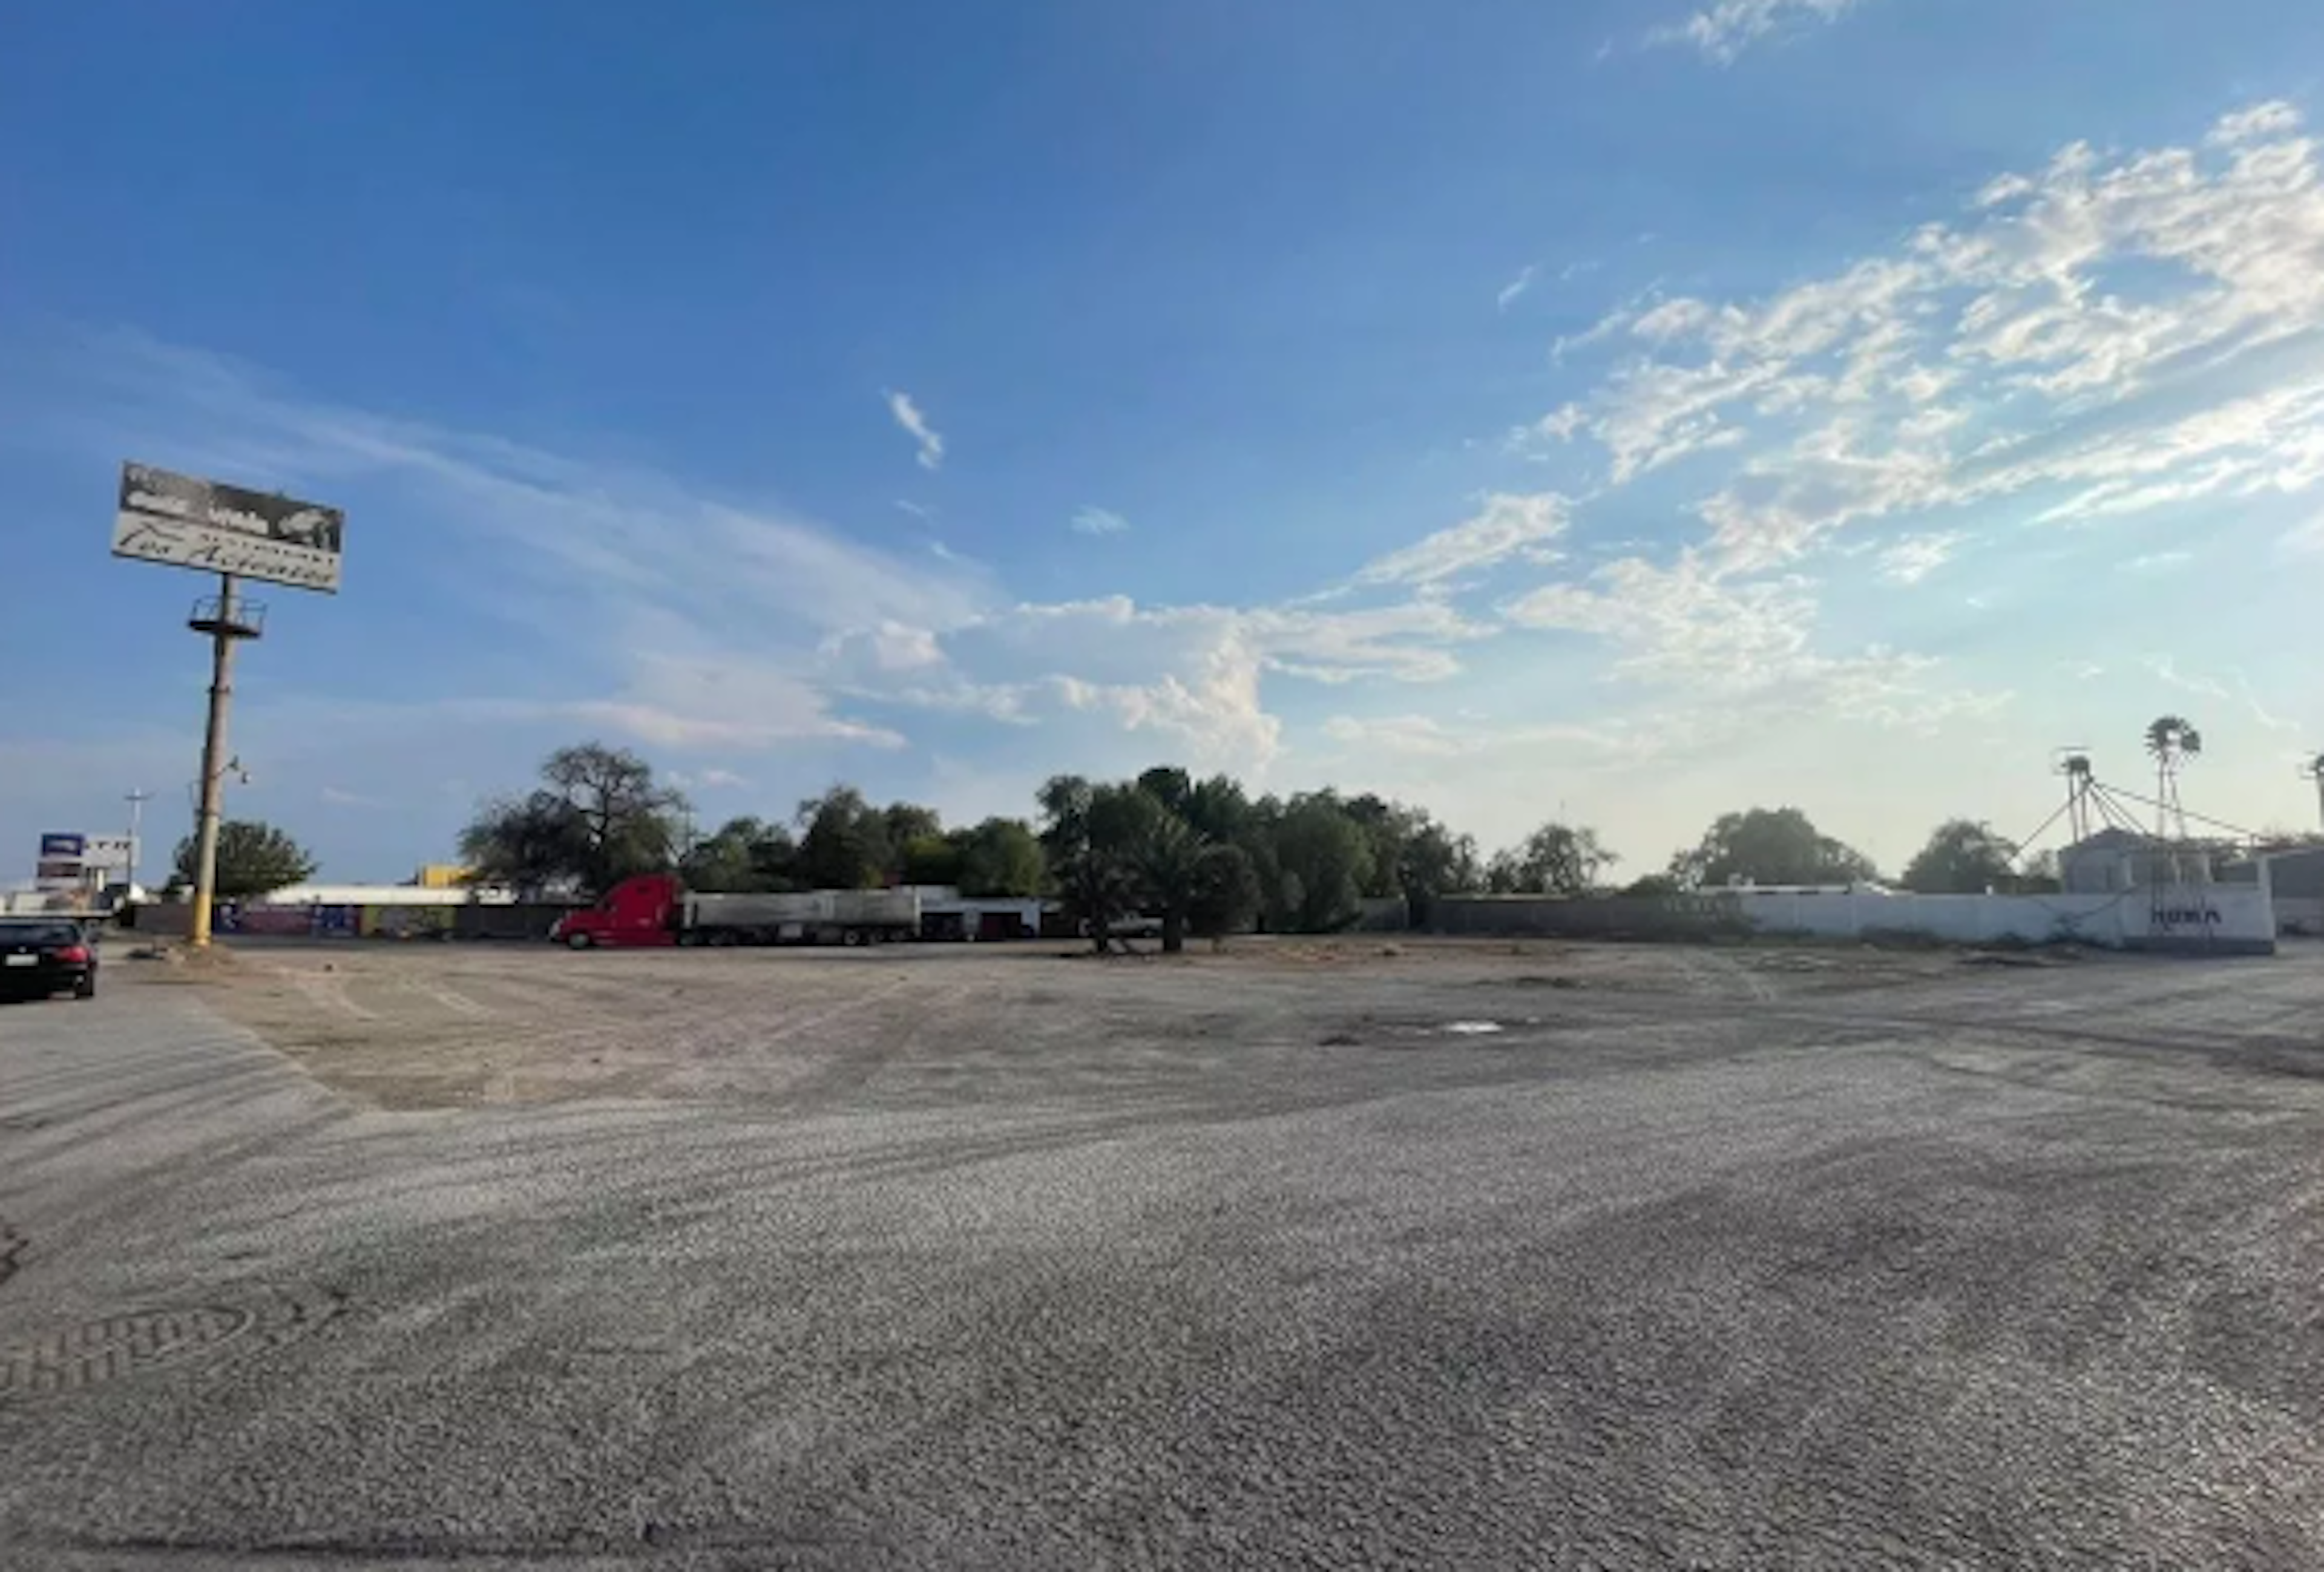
(445, 1027)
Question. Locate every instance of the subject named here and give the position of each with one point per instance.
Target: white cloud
(1425, 737)
(1100, 521)
(718, 779)
(919, 511)
(1690, 628)
(1196, 673)
(700, 699)
(1515, 288)
(333, 797)
(1723, 31)
(2112, 334)
(2260, 121)
(2305, 539)
(2158, 562)
(1916, 557)
(908, 415)
(1507, 526)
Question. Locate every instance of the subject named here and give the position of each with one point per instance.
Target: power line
(2183, 813)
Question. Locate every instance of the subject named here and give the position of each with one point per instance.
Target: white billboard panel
(188, 522)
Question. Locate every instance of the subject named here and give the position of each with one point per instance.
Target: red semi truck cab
(643, 911)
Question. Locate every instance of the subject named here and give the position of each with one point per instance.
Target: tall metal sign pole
(227, 621)
(136, 800)
(237, 533)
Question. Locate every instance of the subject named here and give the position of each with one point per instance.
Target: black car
(40, 956)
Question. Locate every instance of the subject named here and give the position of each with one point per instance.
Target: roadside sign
(184, 521)
(64, 843)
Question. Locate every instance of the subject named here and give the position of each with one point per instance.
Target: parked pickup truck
(655, 909)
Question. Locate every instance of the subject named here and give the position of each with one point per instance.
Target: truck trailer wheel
(852, 936)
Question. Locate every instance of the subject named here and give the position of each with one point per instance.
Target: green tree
(1385, 825)
(1168, 856)
(1324, 858)
(842, 842)
(1001, 857)
(254, 859)
(1433, 862)
(929, 860)
(743, 855)
(720, 862)
(909, 821)
(1963, 857)
(1768, 846)
(1226, 892)
(1171, 786)
(1217, 809)
(532, 844)
(598, 817)
(1559, 860)
(1088, 831)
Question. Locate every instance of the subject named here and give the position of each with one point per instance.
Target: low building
(2295, 878)
(2116, 859)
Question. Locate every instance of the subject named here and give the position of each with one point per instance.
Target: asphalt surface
(2003, 1268)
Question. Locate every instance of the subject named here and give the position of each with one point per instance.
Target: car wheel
(577, 941)
(86, 987)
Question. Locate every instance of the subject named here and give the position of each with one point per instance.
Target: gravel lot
(1330, 1255)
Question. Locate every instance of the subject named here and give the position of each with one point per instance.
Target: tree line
(1201, 855)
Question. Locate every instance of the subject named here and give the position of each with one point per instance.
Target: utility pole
(136, 799)
(225, 622)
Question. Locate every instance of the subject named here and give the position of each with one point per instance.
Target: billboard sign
(67, 843)
(169, 517)
(107, 854)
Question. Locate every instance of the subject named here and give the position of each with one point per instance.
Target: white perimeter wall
(2184, 917)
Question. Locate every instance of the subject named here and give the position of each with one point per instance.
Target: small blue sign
(63, 843)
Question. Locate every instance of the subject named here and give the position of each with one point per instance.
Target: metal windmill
(2171, 741)
(2073, 762)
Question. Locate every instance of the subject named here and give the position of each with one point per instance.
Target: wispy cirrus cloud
(907, 415)
(1099, 521)
(1916, 557)
(2110, 334)
(1507, 526)
(726, 626)
(1516, 287)
(1723, 31)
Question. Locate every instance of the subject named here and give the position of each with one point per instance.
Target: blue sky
(1625, 411)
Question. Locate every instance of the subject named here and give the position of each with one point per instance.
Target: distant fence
(2210, 919)
(517, 920)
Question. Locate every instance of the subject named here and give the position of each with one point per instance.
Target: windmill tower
(2073, 762)
(2314, 770)
(2171, 741)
